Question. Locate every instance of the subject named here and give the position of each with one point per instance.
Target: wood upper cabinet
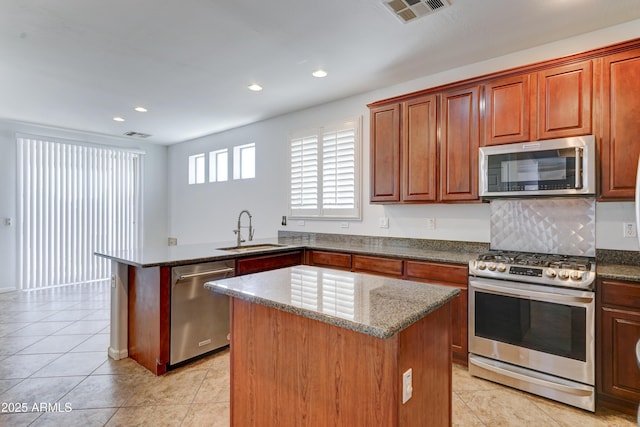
(459, 145)
(619, 331)
(419, 149)
(564, 100)
(506, 110)
(385, 153)
(620, 144)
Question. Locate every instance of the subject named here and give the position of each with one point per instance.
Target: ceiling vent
(137, 134)
(409, 10)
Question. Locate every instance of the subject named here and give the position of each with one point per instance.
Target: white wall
(155, 200)
(200, 213)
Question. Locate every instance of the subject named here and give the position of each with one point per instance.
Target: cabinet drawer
(267, 262)
(437, 272)
(329, 259)
(621, 293)
(387, 266)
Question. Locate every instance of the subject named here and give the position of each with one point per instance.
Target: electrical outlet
(407, 385)
(383, 222)
(629, 230)
(8, 222)
(172, 241)
(344, 224)
(300, 222)
(431, 223)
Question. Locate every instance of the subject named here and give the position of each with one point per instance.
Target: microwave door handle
(578, 168)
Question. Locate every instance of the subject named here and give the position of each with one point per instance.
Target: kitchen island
(316, 346)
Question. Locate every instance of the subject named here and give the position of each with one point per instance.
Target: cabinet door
(620, 372)
(506, 110)
(564, 101)
(419, 149)
(385, 153)
(621, 125)
(459, 147)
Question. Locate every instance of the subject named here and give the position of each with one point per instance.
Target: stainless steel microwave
(552, 167)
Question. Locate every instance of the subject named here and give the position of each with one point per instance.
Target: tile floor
(54, 367)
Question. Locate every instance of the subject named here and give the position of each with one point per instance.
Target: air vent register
(409, 10)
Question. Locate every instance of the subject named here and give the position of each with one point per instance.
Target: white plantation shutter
(74, 200)
(304, 175)
(325, 172)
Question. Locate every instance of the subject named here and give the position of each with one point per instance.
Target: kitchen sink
(250, 248)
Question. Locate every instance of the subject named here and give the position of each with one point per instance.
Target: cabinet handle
(205, 273)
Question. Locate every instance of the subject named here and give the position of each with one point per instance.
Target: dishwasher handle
(220, 271)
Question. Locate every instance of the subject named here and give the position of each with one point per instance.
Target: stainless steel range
(531, 321)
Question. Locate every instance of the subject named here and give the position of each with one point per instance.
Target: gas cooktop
(545, 269)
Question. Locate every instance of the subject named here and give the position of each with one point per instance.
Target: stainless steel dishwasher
(199, 317)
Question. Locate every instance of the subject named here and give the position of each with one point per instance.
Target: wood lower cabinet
(459, 145)
(338, 260)
(448, 275)
(620, 143)
(618, 375)
(149, 308)
(564, 100)
(255, 264)
(378, 265)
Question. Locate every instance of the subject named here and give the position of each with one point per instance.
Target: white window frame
(215, 160)
(197, 169)
(320, 211)
(240, 161)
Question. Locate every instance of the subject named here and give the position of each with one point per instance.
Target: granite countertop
(429, 250)
(629, 273)
(373, 305)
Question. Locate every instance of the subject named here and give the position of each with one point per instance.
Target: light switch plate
(383, 222)
(407, 385)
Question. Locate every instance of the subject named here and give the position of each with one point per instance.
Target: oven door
(547, 329)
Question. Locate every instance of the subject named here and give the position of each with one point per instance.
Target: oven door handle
(578, 182)
(518, 293)
(576, 389)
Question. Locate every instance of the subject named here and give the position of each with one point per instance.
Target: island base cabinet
(290, 370)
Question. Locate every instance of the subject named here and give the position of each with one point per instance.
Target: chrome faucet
(237, 231)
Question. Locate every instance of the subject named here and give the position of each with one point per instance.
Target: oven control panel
(553, 276)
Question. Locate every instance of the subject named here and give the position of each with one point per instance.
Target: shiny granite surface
(373, 305)
(418, 249)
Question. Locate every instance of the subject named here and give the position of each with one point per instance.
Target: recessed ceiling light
(319, 73)
(141, 109)
(255, 87)
(118, 119)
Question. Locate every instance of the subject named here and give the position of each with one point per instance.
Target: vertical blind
(324, 170)
(74, 200)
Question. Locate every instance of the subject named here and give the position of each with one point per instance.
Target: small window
(244, 161)
(219, 165)
(325, 172)
(196, 169)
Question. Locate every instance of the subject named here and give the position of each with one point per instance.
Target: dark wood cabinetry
(378, 265)
(448, 275)
(255, 264)
(459, 145)
(337, 260)
(564, 101)
(419, 150)
(620, 143)
(618, 331)
(385, 153)
(506, 110)
(420, 271)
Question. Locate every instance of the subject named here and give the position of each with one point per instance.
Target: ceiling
(76, 64)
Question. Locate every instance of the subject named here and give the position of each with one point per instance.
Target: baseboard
(118, 354)
(3, 290)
